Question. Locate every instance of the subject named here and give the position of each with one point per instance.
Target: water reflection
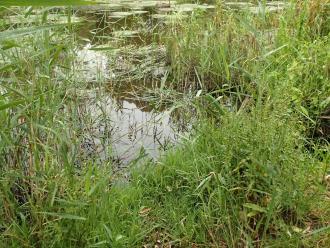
(135, 131)
(132, 127)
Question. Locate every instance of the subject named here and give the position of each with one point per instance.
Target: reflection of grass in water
(244, 178)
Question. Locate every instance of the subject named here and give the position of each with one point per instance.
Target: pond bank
(251, 173)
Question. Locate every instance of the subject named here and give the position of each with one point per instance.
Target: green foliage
(5, 36)
(248, 175)
(239, 53)
(243, 179)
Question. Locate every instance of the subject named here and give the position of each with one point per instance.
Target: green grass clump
(241, 53)
(218, 49)
(245, 181)
(241, 182)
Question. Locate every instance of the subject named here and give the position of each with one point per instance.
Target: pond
(120, 47)
(128, 112)
(120, 50)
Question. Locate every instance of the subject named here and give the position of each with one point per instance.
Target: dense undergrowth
(252, 175)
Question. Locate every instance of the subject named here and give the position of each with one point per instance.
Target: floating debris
(38, 18)
(268, 7)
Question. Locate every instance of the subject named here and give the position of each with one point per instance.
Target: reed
(253, 172)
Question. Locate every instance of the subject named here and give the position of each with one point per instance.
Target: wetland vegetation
(180, 123)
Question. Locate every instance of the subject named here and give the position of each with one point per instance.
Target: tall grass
(246, 176)
(240, 53)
